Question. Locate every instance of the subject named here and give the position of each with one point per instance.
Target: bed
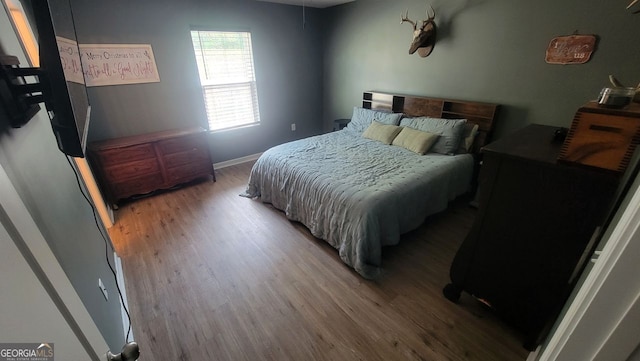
(359, 190)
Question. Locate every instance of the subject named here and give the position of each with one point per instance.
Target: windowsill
(235, 128)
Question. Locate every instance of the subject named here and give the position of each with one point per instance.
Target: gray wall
(288, 61)
(486, 51)
(48, 188)
(635, 356)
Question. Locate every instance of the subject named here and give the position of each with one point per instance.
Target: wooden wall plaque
(571, 49)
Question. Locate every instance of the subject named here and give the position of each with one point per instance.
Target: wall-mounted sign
(571, 49)
(114, 64)
(70, 59)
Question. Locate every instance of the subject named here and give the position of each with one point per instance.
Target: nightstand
(338, 124)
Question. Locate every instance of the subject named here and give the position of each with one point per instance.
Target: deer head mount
(424, 38)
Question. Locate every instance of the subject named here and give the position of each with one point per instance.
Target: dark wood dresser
(532, 232)
(145, 163)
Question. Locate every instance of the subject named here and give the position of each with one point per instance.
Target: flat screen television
(66, 101)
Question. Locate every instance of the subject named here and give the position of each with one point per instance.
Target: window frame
(253, 84)
(22, 27)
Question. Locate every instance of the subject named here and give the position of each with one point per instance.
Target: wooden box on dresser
(535, 220)
(145, 163)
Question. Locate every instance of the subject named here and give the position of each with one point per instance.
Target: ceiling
(311, 3)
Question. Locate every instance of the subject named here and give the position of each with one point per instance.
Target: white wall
(38, 301)
(28, 314)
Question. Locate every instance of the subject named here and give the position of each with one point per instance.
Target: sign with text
(26, 352)
(70, 59)
(572, 49)
(116, 64)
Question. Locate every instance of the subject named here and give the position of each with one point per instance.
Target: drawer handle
(604, 128)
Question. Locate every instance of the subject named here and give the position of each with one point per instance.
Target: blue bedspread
(355, 193)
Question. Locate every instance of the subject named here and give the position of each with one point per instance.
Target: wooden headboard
(483, 114)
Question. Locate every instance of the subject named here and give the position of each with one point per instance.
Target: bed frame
(483, 114)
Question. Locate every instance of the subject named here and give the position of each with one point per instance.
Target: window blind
(227, 77)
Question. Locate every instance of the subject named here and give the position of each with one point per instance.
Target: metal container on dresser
(533, 230)
(145, 163)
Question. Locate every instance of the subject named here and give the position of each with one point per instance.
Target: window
(227, 76)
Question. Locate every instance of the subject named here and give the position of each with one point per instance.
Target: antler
(429, 18)
(405, 17)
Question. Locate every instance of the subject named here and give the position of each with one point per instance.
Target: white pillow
(384, 133)
(415, 140)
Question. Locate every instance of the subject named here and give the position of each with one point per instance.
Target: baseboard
(120, 280)
(229, 163)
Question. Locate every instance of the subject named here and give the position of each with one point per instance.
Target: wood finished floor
(214, 276)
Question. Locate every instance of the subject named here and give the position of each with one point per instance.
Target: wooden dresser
(532, 232)
(144, 163)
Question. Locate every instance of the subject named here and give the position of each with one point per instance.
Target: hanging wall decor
(424, 38)
(570, 49)
(117, 64)
(70, 60)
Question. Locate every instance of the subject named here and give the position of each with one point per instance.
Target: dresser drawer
(117, 156)
(193, 155)
(129, 170)
(141, 185)
(182, 144)
(188, 172)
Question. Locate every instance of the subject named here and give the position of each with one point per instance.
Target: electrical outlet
(103, 289)
(293, 127)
